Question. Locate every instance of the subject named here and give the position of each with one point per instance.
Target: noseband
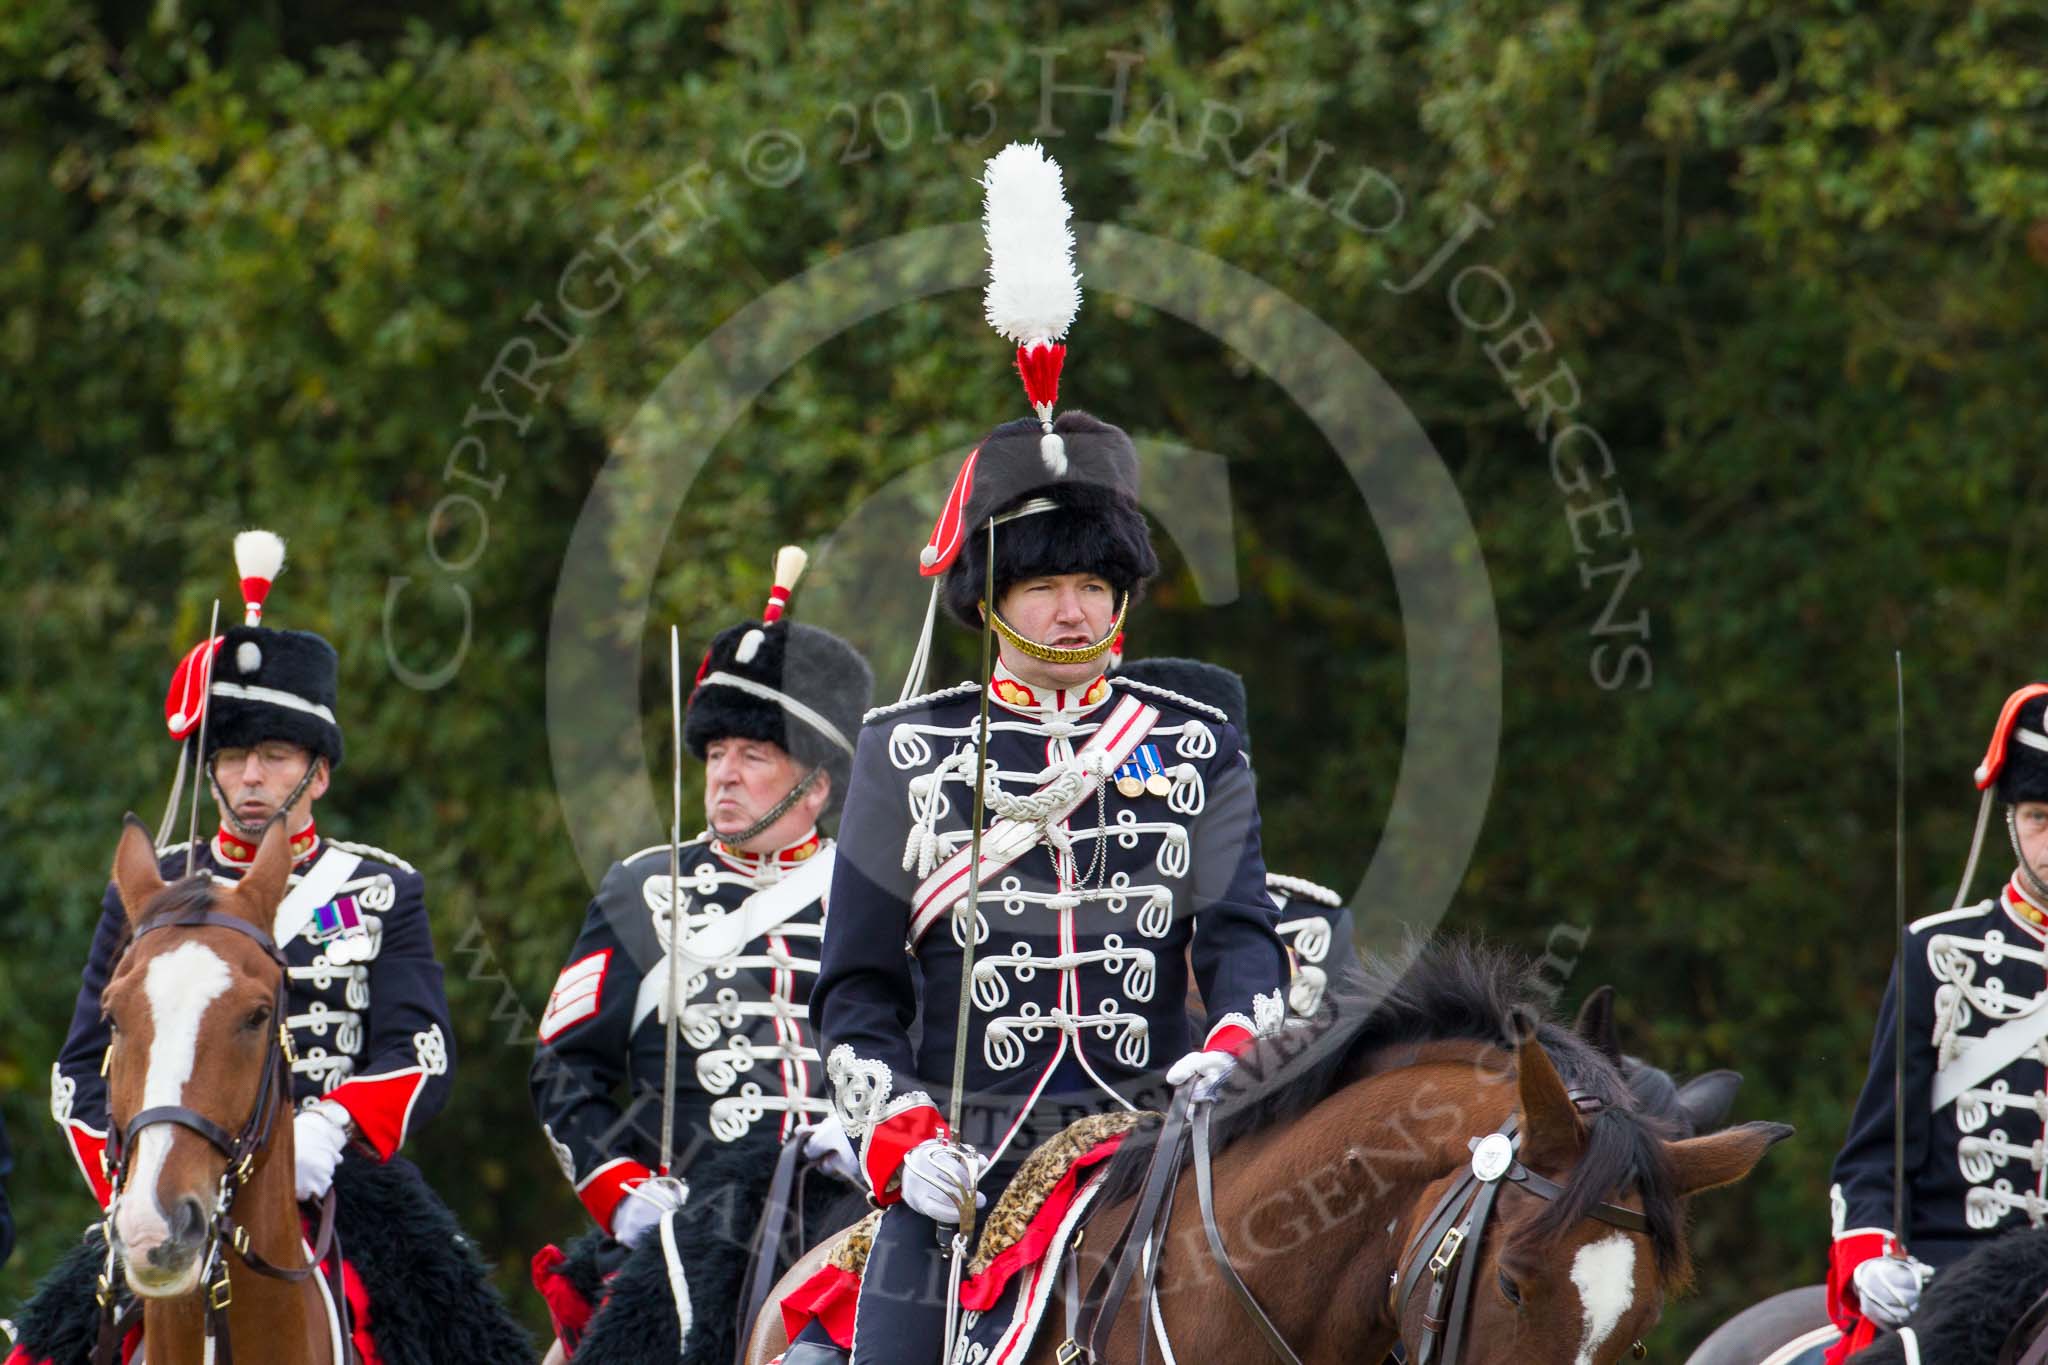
(273, 1093)
(1439, 1252)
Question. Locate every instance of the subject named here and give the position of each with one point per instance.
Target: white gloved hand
(1211, 1067)
(826, 1143)
(937, 1176)
(1889, 1288)
(645, 1205)
(318, 1139)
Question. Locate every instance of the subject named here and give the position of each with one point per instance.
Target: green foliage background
(257, 261)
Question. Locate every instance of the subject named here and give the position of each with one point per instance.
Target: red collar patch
(239, 852)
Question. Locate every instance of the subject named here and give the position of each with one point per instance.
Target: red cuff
(89, 1150)
(890, 1141)
(1230, 1038)
(381, 1106)
(828, 1296)
(1844, 1311)
(604, 1187)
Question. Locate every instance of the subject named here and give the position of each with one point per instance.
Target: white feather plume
(1033, 290)
(259, 554)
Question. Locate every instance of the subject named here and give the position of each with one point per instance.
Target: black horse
(1986, 1309)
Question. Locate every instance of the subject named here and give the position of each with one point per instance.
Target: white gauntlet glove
(318, 1139)
(1211, 1067)
(1889, 1288)
(826, 1143)
(937, 1177)
(645, 1205)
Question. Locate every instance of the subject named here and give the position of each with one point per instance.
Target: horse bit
(222, 1232)
(1458, 1220)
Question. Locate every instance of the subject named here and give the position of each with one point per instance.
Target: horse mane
(1445, 991)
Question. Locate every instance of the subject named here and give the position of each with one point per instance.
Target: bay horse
(1338, 1148)
(200, 1122)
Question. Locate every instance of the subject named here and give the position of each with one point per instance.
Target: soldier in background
(372, 1044)
(772, 716)
(1975, 1069)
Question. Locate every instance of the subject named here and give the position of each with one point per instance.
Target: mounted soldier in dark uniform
(1976, 1067)
(1120, 848)
(772, 716)
(371, 1043)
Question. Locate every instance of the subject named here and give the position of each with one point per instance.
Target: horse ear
(1552, 1134)
(256, 896)
(1707, 1098)
(1722, 1158)
(136, 879)
(1596, 1023)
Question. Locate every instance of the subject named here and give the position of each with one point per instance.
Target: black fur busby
(812, 667)
(1096, 528)
(1970, 1308)
(1211, 683)
(274, 684)
(2024, 774)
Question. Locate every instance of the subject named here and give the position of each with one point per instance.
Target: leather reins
(1458, 1221)
(223, 1232)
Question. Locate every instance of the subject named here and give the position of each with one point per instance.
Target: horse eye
(1509, 1290)
(257, 1018)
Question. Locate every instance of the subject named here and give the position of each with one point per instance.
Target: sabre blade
(205, 712)
(973, 902)
(1899, 949)
(675, 899)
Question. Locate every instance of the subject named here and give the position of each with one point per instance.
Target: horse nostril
(187, 1222)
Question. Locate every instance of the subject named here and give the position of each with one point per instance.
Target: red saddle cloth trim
(828, 1297)
(981, 1292)
(830, 1294)
(569, 1310)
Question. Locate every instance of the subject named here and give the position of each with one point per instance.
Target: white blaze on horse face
(180, 985)
(1605, 1273)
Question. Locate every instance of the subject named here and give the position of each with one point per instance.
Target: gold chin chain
(1053, 654)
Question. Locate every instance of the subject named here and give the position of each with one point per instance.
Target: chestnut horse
(195, 1004)
(1338, 1141)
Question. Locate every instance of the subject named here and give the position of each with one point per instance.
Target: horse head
(1700, 1105)
(1579, 1258)
(192, 1011)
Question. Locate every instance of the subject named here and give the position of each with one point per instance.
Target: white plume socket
(1033, 290)
(259, 554)
(750, 645)
(248, 656)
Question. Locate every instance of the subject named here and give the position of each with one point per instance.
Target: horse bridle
(1459, 1220)
(223, 1232)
